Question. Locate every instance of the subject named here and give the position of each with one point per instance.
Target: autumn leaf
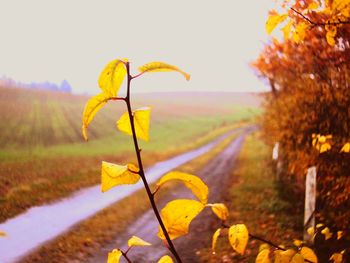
(114, 174)
(287, 29)
(177, 216)
(3, 234)
(238, 237)
(297, 258)
(313, 6)
(336, 258)
(327, 233)
(220, 210)
(346, 148)
(114, 256)
(263, 256)
(331, 33)
(165, 259)
(273, 21)
(297, 242)
(93, 105)
(141, 118)
(162, 67)
(112, 77)
(308, 254)
(284, 256)
(215, 239)
(299, 33)
(340, 234)
(136, 241)
(194, 183)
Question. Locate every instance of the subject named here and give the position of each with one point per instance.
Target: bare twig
(339, 22)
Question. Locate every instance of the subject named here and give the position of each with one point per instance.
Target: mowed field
(43, 156)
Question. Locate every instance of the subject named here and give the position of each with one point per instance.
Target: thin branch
(138, 75)
(118, 98)
(339, 22)
(142, 173)
(125, 256)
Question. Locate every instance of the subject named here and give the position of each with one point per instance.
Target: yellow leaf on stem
(114, 256)
(263, 256)
(136, 241)
(308, 254)
(141, 118)
(165, 259)
(194, 183)
(220, 210)
(112, 76)
(93, 105)
(114, 174)
(238, 236)
(177, 216)
(273, 21)
(162, 67)
(215, 239)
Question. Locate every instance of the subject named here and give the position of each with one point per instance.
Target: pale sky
(44, 40)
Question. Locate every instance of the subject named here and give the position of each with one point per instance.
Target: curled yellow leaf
(194, 183)
(238, 236)
(93, 105)
(165, 259)
(215, 239)
(345, 148)
(263, 256)
(220, 210)
(114, 174)
(308, 254)
(114, 256)
(177, 216)
(162, 67)
(112, 76)
(273, 21)
(136, 241)
(141, 118)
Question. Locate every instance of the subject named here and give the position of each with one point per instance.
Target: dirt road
(216, 174)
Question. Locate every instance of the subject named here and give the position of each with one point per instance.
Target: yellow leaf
(177, 216)
(308, 254)
(299, 33)
(297, 242)
(141, 118)
(297, 258)
(325, 147)
(287, 29)
(215, 239)
(238, 237)
(284, 256)
(263, 246)
(273, 21)
(194, 183)
(136, 241)
(346, 148)
(313, 6)
(114, 174)
(162, 67)
(319, 225)
(114, 256)
(263, 256)
(3, 234)
(327, 233)
(112, 76)
(92, 106)
(311, 231)
(340, 234)
(337, 258)
(165, 259)
(220, 210)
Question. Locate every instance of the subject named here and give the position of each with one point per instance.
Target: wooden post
(310, 202)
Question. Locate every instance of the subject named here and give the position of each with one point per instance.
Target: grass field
(43, 157)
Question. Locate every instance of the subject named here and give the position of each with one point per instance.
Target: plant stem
(142, 173)
(126, 257)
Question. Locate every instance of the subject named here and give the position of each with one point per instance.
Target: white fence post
(310, 201)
